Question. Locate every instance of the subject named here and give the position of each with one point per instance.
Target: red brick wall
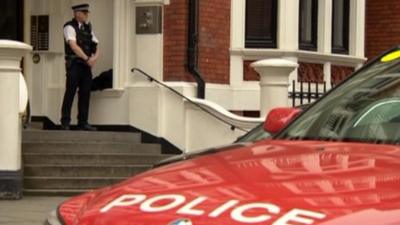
(382, 26)
(339, 73)
(249, 74)
(175, 41)
(311, 72)
(214, 40)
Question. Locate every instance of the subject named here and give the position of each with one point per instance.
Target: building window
(261, 23)
(11, 20)
(340, 26)
(308, 24)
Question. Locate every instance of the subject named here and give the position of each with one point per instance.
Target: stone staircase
(72, 162)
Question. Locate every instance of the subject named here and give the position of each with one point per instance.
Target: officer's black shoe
(86, 127)
(65, 127)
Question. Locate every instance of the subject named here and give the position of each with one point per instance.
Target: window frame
(313, 44)
(263, 41)
(344, 49)
(18, 35)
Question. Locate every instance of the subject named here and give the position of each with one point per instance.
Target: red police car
(338, 163)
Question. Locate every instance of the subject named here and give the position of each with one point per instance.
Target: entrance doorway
(11, 20)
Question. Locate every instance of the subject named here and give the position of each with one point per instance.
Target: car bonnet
(270, 182)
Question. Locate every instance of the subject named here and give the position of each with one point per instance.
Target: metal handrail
(152, 79)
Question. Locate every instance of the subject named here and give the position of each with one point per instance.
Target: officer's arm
(96, 41)
(96, 54)
(77, 50)
(93, 58)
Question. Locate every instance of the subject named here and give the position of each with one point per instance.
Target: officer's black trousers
(79, 77)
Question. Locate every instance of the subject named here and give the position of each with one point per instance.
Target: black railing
(152, 79)
(308, 92)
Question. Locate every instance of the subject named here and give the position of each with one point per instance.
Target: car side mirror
(279, 118)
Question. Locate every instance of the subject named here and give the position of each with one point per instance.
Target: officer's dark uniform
(79, 75)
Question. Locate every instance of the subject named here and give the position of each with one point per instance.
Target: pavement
(28, 211)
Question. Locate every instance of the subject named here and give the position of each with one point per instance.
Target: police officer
(81, 53)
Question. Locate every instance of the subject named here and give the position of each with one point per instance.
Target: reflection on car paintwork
(336, 164)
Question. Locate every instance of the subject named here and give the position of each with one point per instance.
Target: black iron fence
(306, 92)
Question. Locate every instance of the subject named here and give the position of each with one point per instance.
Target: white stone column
(288, 24)
(325, 26)
(119, 35)
(238, 27)
(11, 53)
(328, 75)
(274, 82)
(357, 28)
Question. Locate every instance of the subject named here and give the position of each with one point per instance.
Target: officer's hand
(91, 62)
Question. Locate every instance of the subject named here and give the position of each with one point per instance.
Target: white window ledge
(307, 56)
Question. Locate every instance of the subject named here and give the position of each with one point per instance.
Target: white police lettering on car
(237, 210)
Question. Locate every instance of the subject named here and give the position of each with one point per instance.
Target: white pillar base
(274, 82)
(11, 53)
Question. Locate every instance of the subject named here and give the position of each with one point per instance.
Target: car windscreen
(365, 108)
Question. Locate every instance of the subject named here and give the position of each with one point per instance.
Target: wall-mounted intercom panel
(148, 19)
(40, 32)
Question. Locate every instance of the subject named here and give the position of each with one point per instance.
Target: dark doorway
(11, 19)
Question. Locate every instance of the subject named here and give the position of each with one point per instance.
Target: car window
(383, 111)
(365, 108)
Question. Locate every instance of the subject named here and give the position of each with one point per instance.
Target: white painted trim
(220, 112)
(325, 26)
(152, 2)
(238, 23)
(288, 24)
(236, 70)
(316, 57)
(357, 29)
(116, 44)
(238, 26)
(328, 75)
(120, 36)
